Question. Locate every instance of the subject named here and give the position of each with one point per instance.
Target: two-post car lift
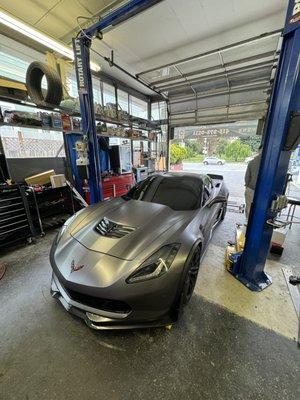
(281, 136)
(81, 46)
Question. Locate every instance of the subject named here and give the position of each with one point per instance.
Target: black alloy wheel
(191, 277)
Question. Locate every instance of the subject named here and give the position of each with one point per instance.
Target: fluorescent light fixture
(40, 37)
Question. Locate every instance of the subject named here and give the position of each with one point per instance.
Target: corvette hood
(139, 222)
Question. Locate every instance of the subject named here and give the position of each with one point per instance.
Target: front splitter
(95, 320)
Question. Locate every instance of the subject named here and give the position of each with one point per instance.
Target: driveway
(233, 175)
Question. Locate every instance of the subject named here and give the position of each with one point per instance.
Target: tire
(190, 278)
(34, 75)
(205, 162)
(220, 163)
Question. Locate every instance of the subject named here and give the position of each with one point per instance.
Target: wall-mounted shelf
(43, 128)
(133, 121)
(47, 128)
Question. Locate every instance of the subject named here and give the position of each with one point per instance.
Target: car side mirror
(216, 200)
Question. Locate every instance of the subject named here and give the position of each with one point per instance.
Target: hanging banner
(220, 130)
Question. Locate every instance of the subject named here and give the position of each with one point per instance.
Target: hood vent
(112, 230)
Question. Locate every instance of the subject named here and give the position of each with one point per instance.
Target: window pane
(108, 94)
(138, 108)
(96, 90)
(123, 100)
(13, 67)
(21, 142)
(72, 84)
(158, 110)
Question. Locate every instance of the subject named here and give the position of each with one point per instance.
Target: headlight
(156, 265)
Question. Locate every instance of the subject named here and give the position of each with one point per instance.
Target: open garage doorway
(223, 149)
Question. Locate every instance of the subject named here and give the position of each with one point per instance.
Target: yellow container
(40, 179)
(229, 251)
(240, 238)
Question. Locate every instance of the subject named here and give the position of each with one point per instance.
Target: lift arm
(275, 157)
(81, 46)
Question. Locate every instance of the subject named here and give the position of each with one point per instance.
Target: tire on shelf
(34, 75)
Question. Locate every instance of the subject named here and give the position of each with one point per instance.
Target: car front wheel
(220, 163)
(205, 162)
(190, 278)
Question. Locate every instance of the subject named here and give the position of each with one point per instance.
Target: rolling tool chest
(15, 218)
(50, 207)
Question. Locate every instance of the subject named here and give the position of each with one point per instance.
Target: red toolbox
(115, 186)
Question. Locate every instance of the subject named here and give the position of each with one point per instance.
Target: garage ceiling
(229, 85)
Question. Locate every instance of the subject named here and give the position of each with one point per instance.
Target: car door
(209, 214)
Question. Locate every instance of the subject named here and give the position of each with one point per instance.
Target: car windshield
(180, 193)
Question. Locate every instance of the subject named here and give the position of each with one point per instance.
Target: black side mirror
(216, 200)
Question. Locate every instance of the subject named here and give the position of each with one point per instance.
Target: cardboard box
(278, 236)
(40, 179)
(58, 180)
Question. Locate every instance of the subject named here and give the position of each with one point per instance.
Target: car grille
(116, 306)
(113, 230)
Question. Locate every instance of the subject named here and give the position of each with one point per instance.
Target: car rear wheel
(205, 162)
(190, 278)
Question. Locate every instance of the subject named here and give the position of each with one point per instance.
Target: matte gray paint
(108, 262)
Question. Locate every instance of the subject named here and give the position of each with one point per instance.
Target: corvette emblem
(74, 267)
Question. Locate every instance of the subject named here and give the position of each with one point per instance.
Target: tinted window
(180, 194)
(137, 192)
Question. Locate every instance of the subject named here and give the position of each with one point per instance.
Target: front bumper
(100, 296)
(101, 319)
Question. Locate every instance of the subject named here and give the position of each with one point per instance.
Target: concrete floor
(212, 353)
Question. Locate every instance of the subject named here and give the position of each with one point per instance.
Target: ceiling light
(41, 38)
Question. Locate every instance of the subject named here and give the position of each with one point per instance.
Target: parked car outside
(213, 161)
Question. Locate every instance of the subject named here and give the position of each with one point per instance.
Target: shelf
(43, 128)
(48, 107)
(47, 128)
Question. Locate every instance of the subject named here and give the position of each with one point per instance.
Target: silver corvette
(133, 261)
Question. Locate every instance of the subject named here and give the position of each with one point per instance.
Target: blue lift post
(81, 46)
(249, 268)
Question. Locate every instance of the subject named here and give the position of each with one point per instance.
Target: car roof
(181, 175)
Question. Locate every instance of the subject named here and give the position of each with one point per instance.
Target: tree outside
(237, 151)
(221, 147)
(232, 150)
(253, 141)
(177, 153)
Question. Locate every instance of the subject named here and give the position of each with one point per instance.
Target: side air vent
(112, 230)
